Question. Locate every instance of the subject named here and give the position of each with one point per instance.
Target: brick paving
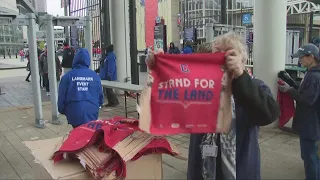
(17, 92)
(280, 153)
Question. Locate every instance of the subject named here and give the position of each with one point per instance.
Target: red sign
(185, 95)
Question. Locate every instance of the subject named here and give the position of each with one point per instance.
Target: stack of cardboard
(108, 152)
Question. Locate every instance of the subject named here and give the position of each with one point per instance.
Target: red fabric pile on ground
(104, 146)
(187, 94)
(286, 107)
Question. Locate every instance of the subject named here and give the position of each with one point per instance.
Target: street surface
(280, 154)
(12, 62)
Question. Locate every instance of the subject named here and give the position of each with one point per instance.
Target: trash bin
(142, 63)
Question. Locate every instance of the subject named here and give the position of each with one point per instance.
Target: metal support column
(106, 35)
(118, 22)
(133, 43)
(88, 38)
(35, 71)
(223, 17)
(66, 29)
(52, 69)
(269, 31)
(311, 26)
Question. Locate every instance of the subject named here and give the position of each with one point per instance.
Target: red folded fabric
(287, 108)
(157, 146)
(80, 138)
(183, 95)
(105, 146)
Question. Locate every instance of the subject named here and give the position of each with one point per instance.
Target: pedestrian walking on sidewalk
(80, 92)
(67, 58)
(43, 69)
(306, 120)
(108, 71)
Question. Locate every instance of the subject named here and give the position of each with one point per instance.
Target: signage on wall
(247, 19)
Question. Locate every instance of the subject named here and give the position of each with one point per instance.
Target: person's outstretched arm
(256, 98)
(310, 93)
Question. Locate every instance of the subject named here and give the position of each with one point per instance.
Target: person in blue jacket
(108, 71)
(187, 49)
(306, 120)
(80, 92)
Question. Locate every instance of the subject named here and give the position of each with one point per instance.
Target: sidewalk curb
(11, 68)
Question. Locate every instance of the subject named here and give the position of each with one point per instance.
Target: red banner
(186, 94)
(287, 107)
(151, 13)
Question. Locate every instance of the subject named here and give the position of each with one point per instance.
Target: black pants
(41, 83)
(111, 96)
(28, 75)
(45, 81)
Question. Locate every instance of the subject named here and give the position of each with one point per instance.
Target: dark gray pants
(111, 96)
(195, 158)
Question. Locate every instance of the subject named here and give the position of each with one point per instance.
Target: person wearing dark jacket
(237, 152)
(44, 70)
(173, 49)
(108, 71)
(67, 58)
(80, 92)
(306, 120)
(27, 55)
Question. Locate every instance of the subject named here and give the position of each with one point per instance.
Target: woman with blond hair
(237, 152)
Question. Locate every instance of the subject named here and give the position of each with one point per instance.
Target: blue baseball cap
(305, 50)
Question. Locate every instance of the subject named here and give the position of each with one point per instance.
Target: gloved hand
(283, 75)
(283, 86)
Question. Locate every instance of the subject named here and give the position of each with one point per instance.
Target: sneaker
(27, 80)
(43, 89)
(48, 93)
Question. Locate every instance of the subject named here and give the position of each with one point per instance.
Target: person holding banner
(234, 155)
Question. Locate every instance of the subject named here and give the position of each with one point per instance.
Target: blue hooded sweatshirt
(108, 69)
(187, 50)
(80, 91)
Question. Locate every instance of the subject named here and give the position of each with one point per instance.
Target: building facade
(147, 11)
(11, 37)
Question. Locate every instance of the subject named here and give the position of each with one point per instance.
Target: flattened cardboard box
(42, 150)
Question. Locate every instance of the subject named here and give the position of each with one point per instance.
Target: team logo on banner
(184, 68)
